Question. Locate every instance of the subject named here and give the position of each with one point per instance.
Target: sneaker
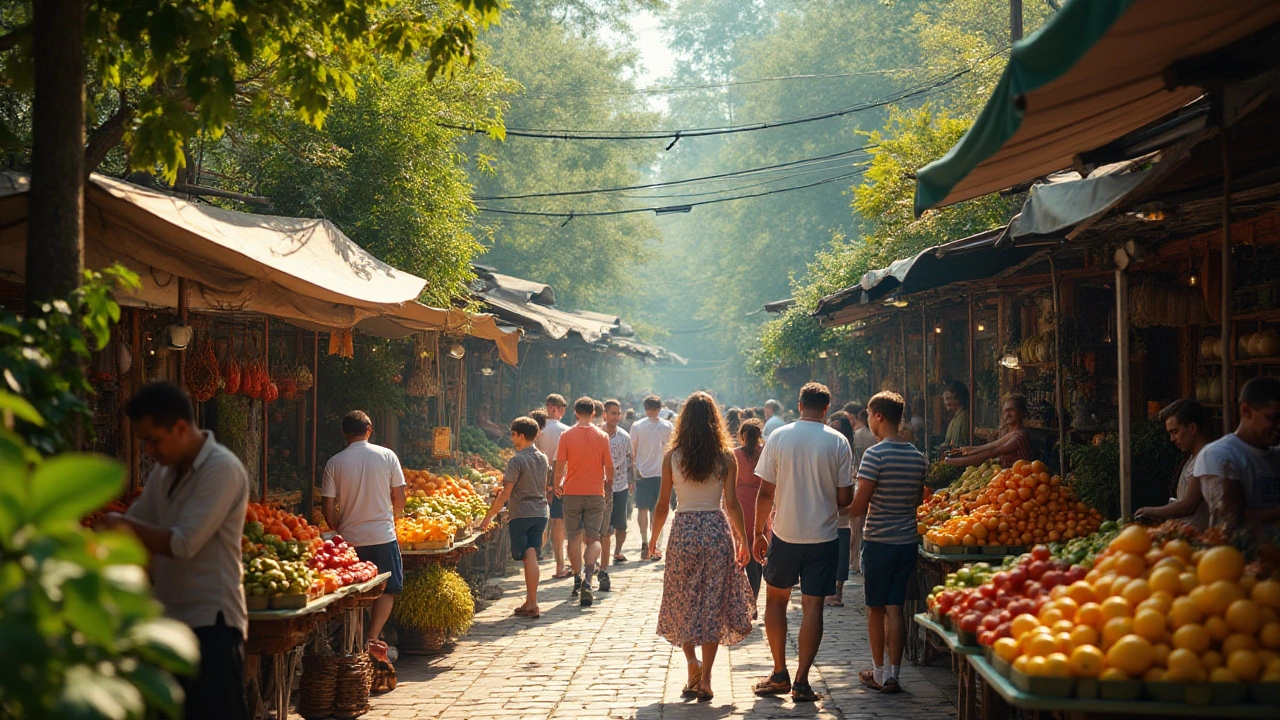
(605, 585)
(586, 598)
(577, 585)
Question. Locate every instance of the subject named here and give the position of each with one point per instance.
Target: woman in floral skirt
(706, 599)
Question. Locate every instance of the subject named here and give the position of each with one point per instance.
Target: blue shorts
(387, 557)
(526, 534)
(557, 508)
(887, 569)
(813, 565)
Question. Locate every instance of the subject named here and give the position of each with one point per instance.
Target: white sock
(879, 673)
(893, 671)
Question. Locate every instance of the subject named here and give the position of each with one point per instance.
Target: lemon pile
(1163, 613)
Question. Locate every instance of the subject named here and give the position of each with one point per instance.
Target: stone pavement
(606, 662)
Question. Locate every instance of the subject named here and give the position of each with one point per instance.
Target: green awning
(1093, 73)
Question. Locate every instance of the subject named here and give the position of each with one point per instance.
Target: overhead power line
(747, 186)
(676, 135)
(686, 181)
(662, 209)
(669, 89)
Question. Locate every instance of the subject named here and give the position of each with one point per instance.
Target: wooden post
(182, 318)
(1122, 391)
(266, 414)
(973, 329)
(1058, 402)
(1229, 390)
(924, 376)
(308, 502)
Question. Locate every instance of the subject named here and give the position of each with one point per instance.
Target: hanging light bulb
(937, 329)
(982, 328)
(456, 351)
(1193, 280)
(486, 371)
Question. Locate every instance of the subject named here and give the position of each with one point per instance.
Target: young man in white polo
(548, 441)
(649, 437)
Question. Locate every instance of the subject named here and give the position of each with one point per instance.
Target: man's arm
(861, 498)
(329, 508)
(557, 483)
(764, 508)
(1183, 507)
(398, 498)
(208, 509)
(498, 502)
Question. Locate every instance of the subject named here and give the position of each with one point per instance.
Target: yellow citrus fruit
(1063, 641)
(1162, 600)
(1116, 606)
(1020, 663)
(1150, 624)
(1178, 548)
(1223, 675)
(1132, 539)
(1131, 565)
(1183, 611)
(1267, 594)
(1211, 659)
(1066, 606)
(1041, 645)
(1193, 637)
(1084, 635)
(1217, 627)
(1006, 649)
(1090, 614)
(1188, 581)
(1219, 595)
(1057, 665)
(1244, 616)
(1248, 582)
(1222, 562)
(1162, 653)
(1081, 592)
(1118, 585)
(1114, 629)
(1136, 591)
(1022, 624)
(1133, 654)
(1087, 661)
(1244, 663)
(1050, 615)
(1155, 673)
(1182, 661)
(1113, 673)
(1239, 641)
(1065, 626)
(1166, 578)
(1035, 667)
(1269, 635)
(1267, 656)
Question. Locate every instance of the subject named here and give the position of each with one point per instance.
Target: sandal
(705, 695)
(891, 686)
(520, 610)
(868, 678)
(619, 558)
(691, 688)
(775, 684)
(801, 692)
(567, 572)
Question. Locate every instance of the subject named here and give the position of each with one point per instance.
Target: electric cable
(671, 89)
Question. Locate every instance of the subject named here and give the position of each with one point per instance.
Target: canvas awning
(1097, 70)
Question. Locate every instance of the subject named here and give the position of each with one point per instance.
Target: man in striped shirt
(890, 484)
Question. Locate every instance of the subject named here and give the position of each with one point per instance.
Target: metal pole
(1122, 381)
(973, 329)
(924, 376)
(1015, 20)
(1058, 401)
(1228, 334)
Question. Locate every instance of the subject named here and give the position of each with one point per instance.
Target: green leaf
(22, 664)
(159, 688)
(83, 608)
(167, 643)
(70, 486)
(21, 408)
(90, 695)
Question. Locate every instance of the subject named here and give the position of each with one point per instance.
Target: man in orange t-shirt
(583, 471)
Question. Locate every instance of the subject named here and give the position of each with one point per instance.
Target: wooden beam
(1122, 391)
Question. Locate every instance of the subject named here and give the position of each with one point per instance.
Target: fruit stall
(1123, 621)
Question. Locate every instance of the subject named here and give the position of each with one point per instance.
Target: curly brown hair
(701, 439)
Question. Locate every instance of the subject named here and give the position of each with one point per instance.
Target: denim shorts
(387, 557)
(813, 565)
(526, 533)
(886, 570)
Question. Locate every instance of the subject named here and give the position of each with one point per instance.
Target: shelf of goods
(1130, 620)
(288, 566)
(442, 508)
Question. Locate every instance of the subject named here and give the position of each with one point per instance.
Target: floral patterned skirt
(705, 595)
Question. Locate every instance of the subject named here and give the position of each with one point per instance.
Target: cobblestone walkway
(606, 662)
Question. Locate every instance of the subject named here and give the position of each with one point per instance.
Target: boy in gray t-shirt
(524, 485)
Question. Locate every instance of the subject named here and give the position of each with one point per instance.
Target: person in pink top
(751, 437)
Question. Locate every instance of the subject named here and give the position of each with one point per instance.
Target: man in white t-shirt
(806, 473)
(649, 438)
(363, 492)
(772, 417)
(1240, 472)
(548, 442)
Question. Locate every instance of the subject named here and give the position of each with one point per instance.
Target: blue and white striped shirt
(898, 470)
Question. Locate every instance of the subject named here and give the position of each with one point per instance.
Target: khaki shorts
(584, 513)
(606, 515)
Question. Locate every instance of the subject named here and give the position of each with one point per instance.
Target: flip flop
(802, 692)
(563, 575)
(705, 696)
(691, 688)
(775, 684)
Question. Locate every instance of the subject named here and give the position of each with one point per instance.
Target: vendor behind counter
(1010, 447)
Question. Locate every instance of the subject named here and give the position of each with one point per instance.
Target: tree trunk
(55, 217)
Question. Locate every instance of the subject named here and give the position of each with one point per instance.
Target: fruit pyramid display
(1018, 506)
(1157, 612)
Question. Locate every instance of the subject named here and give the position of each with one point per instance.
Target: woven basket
(421, 642)
(351, 692)
(318, 687)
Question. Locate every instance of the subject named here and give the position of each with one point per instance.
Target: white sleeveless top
(695, 496)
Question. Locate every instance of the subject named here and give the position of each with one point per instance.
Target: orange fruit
(1166, 579)
(1150, 624)
(1219, 595)
(1131, 565)
(1081, 592)
(1063, 641)
(1132, 653)
(1006, 649)
(1244, 616)
(1210, 659)
(1114, 629)
(1217, 627)
(1035, 666)
(1179, 549)
(1020, 663)
(1222, 562)
(1066, 605)
(1269, 635)
(1090, 613)
(1041, 645)
(1183, 611)
(1183, 663)
(1189, 582)
(1223, 675)
(1162, 653)
(1057, 665)
(1239, 641)
(1023, 624)
(1132, 539)
(1065, 626)
(1050, 615)
(1193, 637)
(1136, 591)
(1113, 673)
(1086, 661)
(1244, 663)
(1116, 606)
(1267, 594)
(1083, 635)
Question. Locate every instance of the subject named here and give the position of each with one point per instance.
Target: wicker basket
(351, 686)
(318, 686)
(421, 642)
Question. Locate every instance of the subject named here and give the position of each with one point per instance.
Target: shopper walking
(524, 486)
(842, 424)
(362, 494)
(806, 468)
(190, 517)
(623, 486)
(751, 440)
(863, 439)
(649, 437)
(548, 441)
(583, 473)
(772, 417)
(890, 488)
(705, 599)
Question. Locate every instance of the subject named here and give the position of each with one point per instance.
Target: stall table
(1078, 709)
(279, 636)
(932, 569)
(967, 706)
